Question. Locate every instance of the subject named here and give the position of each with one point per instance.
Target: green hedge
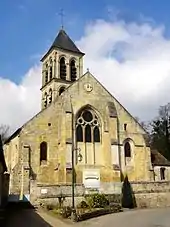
(97, 200)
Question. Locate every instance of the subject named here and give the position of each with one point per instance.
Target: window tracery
(87, 127)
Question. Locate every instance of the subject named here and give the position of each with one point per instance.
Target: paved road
(30, 218)
(133, 218)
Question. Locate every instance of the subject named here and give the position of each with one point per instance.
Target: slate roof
(63, 41)
(13, 135)
(158, 159)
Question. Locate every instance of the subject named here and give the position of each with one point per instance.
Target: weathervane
(62, 18)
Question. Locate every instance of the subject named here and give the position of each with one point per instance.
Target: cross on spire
(61, 13)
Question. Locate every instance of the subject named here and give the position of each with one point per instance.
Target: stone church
(78, 116)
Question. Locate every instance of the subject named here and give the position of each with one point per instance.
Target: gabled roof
(158, 159)
(89, 73)
(13, 135)
(63, 41)
(17, 132)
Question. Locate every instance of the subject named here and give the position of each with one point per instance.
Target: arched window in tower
(51, 69)
(43, 152)
(46, 73)
(62, 68)
(87, 127)
(45, 99)
(73, 70)
(50, 95)
(61, 90)
(127, 149)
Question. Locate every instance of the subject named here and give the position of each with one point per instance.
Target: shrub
(50, 207)
(83, 204)
(115, 207)
(97, 201)
(66, 212)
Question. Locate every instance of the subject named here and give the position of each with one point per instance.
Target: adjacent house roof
(158, 159)
(13, 135)
(63, 41)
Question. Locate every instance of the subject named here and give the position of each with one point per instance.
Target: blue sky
(29, 26)
(131, 42)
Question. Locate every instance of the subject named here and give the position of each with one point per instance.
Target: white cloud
(20, 102)
(131, 60)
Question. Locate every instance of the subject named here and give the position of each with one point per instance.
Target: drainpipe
(73, 168)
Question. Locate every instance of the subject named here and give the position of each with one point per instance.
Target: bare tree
(4, 132)
(145, 125)
(160, 134)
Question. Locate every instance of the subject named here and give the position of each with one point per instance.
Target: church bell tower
(61, 66)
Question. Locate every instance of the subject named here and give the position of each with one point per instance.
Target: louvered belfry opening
(62, 68)
(51, 70)
(73, 70)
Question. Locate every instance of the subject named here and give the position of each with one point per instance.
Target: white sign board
(43, 191)
(91, 178)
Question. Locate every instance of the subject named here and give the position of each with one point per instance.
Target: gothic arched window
(87, 127)
(46, 73)
(62, 68)
(73, 70)
(51, 69)
(50, 96)
(61, 90)
(127, 150)
(43, 152)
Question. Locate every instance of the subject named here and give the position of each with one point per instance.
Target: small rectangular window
(125, 127)
(162, 173)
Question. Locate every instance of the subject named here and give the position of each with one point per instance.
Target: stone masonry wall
(145, 194)
(49, 194)
(151, 194)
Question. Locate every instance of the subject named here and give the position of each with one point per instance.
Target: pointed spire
(63, 41)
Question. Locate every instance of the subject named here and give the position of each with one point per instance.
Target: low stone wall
(51, 194)
(49, 191)
(143, 194)
(151, 194)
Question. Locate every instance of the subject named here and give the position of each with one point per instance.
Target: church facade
(78, 116)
